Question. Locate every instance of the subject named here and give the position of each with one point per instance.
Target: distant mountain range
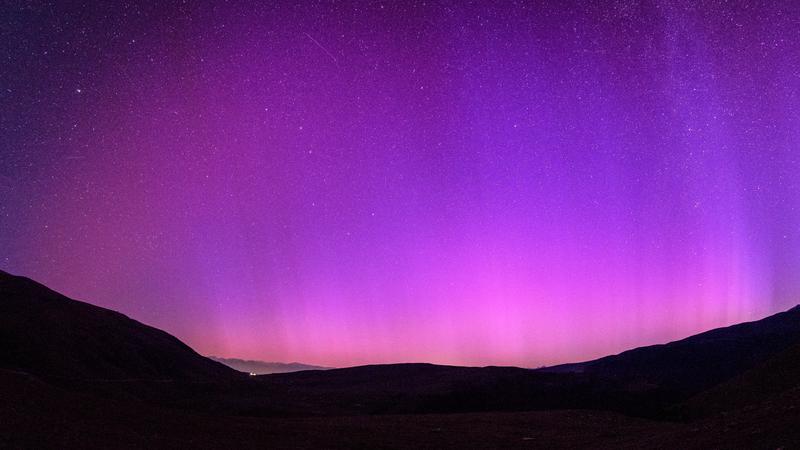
(77, 375)
(264, 367)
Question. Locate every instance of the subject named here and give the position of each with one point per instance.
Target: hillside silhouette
(45, 333)
(73, 374)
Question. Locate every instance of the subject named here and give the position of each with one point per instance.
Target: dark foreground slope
(45, 333)
(773, 384)
(682, 368)
(37, 415)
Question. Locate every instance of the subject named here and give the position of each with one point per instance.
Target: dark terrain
(45, 333)
(75, 375)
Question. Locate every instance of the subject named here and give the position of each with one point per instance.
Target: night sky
(345, 183)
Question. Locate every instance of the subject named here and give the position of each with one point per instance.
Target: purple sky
(343, 183)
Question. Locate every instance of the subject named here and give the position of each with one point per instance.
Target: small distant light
(252, 374)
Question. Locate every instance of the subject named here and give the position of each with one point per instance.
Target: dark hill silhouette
(45, 333)
(647, 381)
(698, 362)
(76, 374)
(771, 383)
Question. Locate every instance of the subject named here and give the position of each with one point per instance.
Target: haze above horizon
(346, 183)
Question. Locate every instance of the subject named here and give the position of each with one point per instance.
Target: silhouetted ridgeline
(45, 333)
(73, 374)
(687, 366)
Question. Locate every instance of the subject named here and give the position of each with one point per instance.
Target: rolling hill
(76, 374)
(698, 362)
(45, 333)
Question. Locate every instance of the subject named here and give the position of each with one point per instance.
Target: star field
(340, 183)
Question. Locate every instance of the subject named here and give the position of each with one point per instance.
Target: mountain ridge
(45, 333)
(719, 352)
(116, 392)
(645, 381)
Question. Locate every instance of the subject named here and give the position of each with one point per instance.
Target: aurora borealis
(340, 183)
